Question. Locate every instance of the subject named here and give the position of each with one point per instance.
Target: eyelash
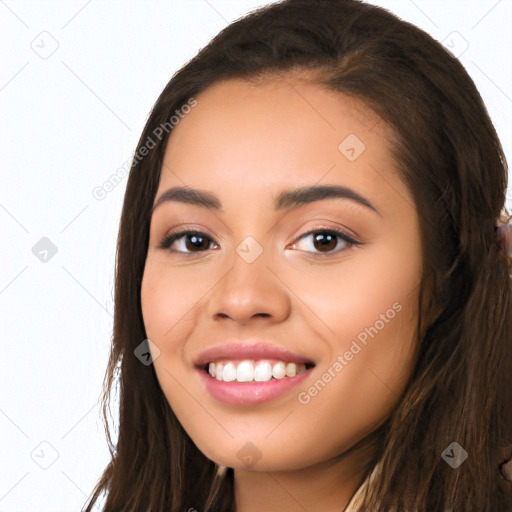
(172, 237)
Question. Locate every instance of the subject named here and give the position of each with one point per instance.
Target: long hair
(449, 156)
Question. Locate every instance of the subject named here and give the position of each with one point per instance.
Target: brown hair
(449, 156)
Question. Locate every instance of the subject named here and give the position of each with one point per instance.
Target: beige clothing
(354, 504)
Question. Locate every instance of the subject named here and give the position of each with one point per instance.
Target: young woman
(313, 302)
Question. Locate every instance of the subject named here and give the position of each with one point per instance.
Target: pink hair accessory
(504, 235)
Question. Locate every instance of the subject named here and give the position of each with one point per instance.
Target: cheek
(368, 330)
(374, 291)
(172, 299)
(369, 363)
(168, 298)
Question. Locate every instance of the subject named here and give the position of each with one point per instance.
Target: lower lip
(250, 393)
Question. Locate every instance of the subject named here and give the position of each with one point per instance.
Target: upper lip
(252, 351)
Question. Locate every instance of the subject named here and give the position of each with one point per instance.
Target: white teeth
(219, 369)
(263, 371)
(245, 372)
(229, 372)
(279, 370)
(291, 370)
(249, 371)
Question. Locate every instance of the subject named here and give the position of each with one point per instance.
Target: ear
(506, 470)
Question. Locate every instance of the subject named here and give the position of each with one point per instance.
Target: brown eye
(326, 241)
(188, 241)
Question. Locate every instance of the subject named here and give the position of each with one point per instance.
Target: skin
(245, 143)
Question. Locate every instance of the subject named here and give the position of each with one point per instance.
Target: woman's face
(268, 268)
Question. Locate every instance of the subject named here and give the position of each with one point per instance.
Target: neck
(323, 487)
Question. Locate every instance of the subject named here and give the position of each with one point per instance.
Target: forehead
(258, 137)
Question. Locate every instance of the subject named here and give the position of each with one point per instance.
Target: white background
(68, 121)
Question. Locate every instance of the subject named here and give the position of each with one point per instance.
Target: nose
(249, 291)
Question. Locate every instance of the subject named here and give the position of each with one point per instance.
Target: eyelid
(342, 234)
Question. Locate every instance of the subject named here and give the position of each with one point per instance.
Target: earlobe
(506, 469)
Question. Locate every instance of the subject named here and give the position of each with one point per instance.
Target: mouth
(250, 373)
(252, 382)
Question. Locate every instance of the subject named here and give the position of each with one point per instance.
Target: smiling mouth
(264, 370)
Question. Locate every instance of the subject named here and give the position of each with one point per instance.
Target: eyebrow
(286, 200)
